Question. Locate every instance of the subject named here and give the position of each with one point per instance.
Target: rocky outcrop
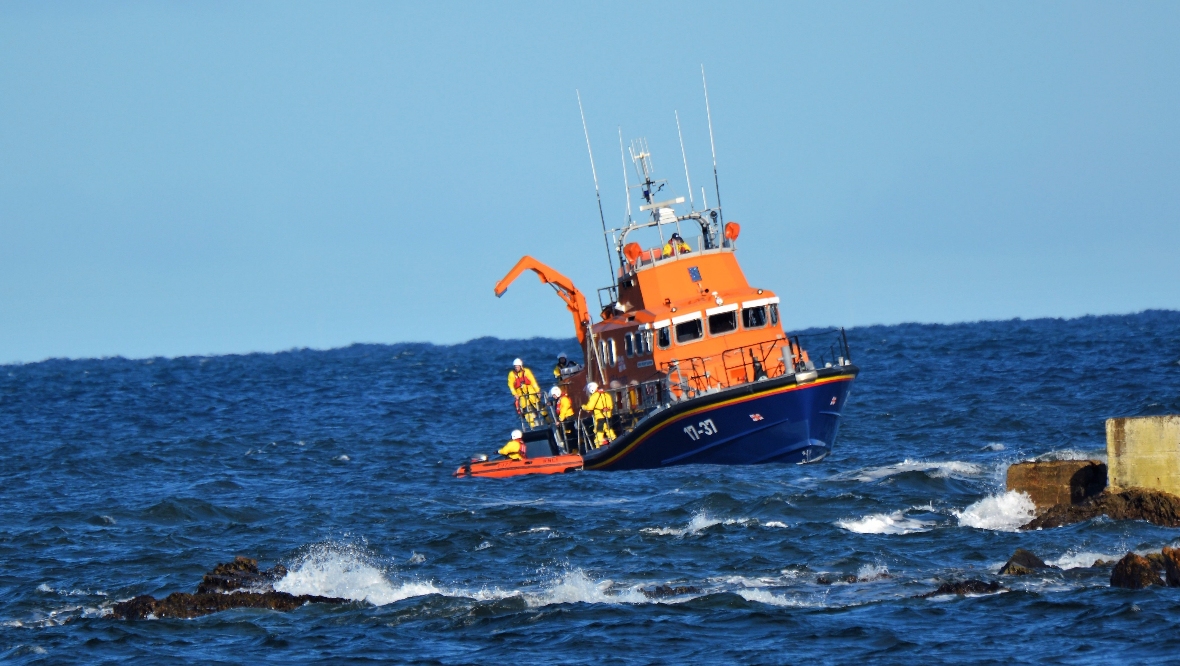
(1134, 572)
(970, 586)
(1053, 482)
(1154, 506)
(1023, 563)
(664, 591)
(237, 584)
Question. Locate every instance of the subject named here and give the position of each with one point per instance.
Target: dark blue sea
(124, 477)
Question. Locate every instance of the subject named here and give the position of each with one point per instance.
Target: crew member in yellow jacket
(561, 404)
(601, 406)
(675, 245)
(524, 386)
(515, 448)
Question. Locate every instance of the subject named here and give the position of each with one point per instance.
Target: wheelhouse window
(754, 317)
(689, 331)
(723, 322)
(614, 354)
(774, 314)
(664, 337)
(629, 344)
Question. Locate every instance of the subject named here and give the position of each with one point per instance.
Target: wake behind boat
(688, 363)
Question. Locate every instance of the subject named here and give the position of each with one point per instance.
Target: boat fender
(805, 377)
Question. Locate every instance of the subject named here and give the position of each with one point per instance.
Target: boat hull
(774, 420)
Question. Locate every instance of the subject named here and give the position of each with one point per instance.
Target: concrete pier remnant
(1144, 452)
(1053, 482)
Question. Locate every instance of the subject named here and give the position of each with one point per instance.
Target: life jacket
(522, 379)
(520, 450)
(565, 408)
(601, 404)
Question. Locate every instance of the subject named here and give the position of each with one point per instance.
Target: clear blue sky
(195, 178)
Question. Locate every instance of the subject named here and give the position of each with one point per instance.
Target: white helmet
(562, 355)
(591, 387)
(517, 361)
(516, 434)
(555, 391)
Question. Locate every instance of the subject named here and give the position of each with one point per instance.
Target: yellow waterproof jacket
(681, 248)
(601, 404)
(565, 408)
(514, 449)
(523, 382)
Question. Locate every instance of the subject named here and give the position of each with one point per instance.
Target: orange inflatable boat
(498, 469)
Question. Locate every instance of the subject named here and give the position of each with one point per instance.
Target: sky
(208, 178)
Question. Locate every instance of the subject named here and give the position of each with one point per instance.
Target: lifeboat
(539, 458)
(695, 358)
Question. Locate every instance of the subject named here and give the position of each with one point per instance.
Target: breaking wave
(938, 470)
(347, 572)
(1003, 513)
(1082, 560)
(887, 523)
(700, 521)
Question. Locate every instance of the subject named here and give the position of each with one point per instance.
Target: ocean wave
(887, 523)
(1002, 513)
(1072, 454)
(700, 521)
(937, 470)
(347, 572)
(764, 596)
(1081, 560)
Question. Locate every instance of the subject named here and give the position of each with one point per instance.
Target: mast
(691, 204)
(712, 148)
(610, 264)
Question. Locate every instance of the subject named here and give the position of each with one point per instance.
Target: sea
(121, 477)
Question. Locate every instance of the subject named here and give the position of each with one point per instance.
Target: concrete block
(1053, 482)
(1144, 452)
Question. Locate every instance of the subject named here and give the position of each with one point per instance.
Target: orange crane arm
(574, 301)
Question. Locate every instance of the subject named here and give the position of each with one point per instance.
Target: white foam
(1003, 513)
(416, 558)
(574, 586)
(1081, 560)
(765, 596)
(345, 572)
(342, 458)
(992, 446)
(869, 572)
(937, 470)
(1072, 454)
(886, 523)
(775, 523)
(700, 521)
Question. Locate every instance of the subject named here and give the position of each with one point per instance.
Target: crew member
(676, 245)
(563, 363)
(524, 386)
(561, 404)
(515, 448)
(601, 406)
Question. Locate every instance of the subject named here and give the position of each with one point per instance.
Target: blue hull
(769, 421)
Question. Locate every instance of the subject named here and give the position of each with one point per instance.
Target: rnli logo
(755, 417)
(833, 402)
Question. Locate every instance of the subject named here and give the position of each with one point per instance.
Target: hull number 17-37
(705, 428)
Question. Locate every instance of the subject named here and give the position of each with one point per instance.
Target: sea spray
(1004, 513)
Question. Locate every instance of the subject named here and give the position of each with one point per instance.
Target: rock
(241, 574)
(1053, 482)
(185, 606)
(662, 591)
(971, 586)
(1023, 563)
(237, 584)
(1156, 560)
(1154, 506)
(825, 579)
(1171, 558)
(1134, 572)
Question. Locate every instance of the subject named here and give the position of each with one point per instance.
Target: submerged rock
(971, 586)
(237, 584)
(1134, 572)
(1023, 563)
(662, 591)
(1154, 506)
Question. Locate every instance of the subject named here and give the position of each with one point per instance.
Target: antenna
(609, 263)
(691, 204)
(712, 148)
(626, 183)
